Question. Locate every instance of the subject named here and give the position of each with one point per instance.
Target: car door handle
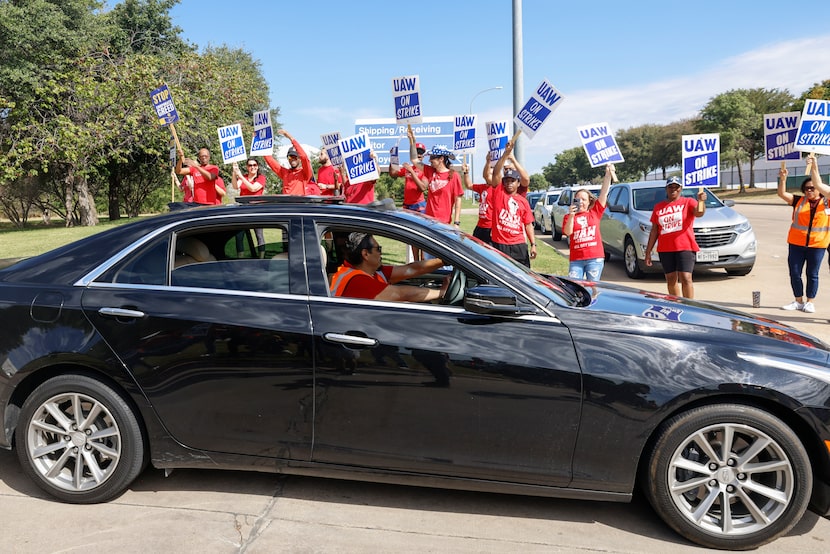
(121, 312)
(351, 340)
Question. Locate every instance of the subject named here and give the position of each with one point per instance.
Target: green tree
(637, 145)
(571, 167)
(667, 152)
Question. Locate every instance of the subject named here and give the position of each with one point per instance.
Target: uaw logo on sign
(496, 139)
(814, 128)
(544, 100)
(407, 99)
(163, 104)
(231, 143)
(464, 134)
(262, 143)
(662, 312)
(599, 144)
(330, 144)
(779, 136)
(701, 160)
(357, 155)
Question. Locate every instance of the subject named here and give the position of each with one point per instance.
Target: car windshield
(645, 199)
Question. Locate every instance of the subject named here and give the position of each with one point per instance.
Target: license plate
(706, 256)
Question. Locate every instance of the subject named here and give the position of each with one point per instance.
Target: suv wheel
(553, 231)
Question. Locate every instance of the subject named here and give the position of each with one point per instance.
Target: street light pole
(472, 173)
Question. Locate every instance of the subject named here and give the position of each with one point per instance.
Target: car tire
(632, 264)
(81, 458)
(740, 272)
(734, 458)
(553, 231)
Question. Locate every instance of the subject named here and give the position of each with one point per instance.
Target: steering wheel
(455, 288)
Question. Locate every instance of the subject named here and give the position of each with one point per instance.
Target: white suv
(725, 237)
(541, 212)
(563, 206)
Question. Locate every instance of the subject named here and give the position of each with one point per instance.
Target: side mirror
(728, 202)
(496, 301)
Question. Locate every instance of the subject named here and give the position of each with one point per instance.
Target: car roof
(643, 184)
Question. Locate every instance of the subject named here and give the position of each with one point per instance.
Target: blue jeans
(798, 256)
(586, 269)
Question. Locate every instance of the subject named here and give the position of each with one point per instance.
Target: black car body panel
(281, 376)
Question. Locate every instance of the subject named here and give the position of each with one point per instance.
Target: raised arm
(498, 171)
(782, 185)
(606, 184)
(815, 177)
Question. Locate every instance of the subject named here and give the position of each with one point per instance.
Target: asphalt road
(226, 511)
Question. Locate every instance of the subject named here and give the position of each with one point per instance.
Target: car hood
(610, 299)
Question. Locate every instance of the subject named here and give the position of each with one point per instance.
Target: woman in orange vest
(809, 233)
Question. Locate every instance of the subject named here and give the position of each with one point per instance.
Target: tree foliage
(79, 130)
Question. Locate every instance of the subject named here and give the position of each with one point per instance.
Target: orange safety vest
(345, 273)
(810, 232)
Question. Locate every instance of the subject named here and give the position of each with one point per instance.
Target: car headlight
(743, 227)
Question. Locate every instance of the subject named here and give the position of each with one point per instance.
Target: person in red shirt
(672, 230)
(511, 214)
(205, 189)
(220, 191)
(360, 193)
(413, 196)
(328, 176)
(510, 162)
(484, 190)
(251, 183)
(363, 274)
(581, 226)
(295, 177)
(442, 185)
(186, 186)
(312, 188)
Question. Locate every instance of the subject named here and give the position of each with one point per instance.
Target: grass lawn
(39, 238)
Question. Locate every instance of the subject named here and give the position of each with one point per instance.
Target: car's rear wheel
(79, 440)
(728, 476)
(554, 231)
(632, 265)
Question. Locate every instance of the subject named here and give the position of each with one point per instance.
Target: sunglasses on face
(378, 247)
(809, 188)
(252, 165)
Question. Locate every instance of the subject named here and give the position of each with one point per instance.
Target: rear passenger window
(247, 259)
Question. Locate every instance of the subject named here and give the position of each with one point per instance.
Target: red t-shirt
(204, 191)
(361, 193)
(363, 285)
(510, 215)
(484, 191)
(221, 184)
(585, 240)
(293, 180)
(186, 190)
(327, 175)
(243, 190)
(311, 189)
(412, 193)
(444, 188)
(675, 220)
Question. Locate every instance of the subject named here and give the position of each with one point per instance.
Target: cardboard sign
(330, 144)
(544, 100)
(163, 104)
(262, 143)
(814, 128)
(497, 138)
(464, 134)
(407, 96)
(599, 144)
(701, 160)
(357, 155)
(780, 130)
(231, 143)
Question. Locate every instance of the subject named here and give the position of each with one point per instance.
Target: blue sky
(627, 63)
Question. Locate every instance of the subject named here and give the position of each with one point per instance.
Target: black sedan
(208, 337)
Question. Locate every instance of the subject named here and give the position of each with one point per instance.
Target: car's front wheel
(79, 440)
(728, 476)
(557, 235)
(542, 228)
(632, 265)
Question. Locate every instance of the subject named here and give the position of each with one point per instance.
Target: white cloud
(794, 65)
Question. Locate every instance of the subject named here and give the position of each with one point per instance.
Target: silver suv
(541, 212)
(725, 237)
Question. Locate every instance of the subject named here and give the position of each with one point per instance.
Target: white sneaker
(809, 308)
(794, 305)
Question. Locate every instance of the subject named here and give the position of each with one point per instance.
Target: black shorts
(482, 234)
(683, 261)
(518, 252)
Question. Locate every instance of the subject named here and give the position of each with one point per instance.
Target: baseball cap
(420, 148)
(674, 181)
(292, 152)
(512, 174)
